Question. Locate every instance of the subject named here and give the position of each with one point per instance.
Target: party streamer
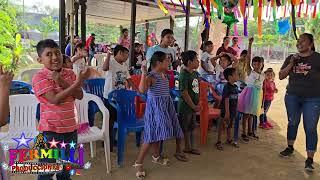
(274, 11)
(314, 11)
(215, 5)
(255, 9)
(182, 5)
(242, 4)
(161, 6)
(245, 26)
(300, 7)
(293, 16)
(170, 10)
(235, 29)
(260, 19)
(208, 7)
(307, 9)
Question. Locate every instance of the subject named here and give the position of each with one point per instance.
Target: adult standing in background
(302, 96)
(76, 40)
(226, 48)
(236, 47)
(124, 39)
(166, 41)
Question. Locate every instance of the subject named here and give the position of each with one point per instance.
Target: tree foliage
(10, 46)
(47, 25)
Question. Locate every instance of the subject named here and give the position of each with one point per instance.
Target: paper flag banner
(284, 26)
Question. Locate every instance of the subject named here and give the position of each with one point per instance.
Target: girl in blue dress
(161, 121)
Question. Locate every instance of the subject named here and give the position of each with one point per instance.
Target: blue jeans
(67, 138)
(310, 109)
(266, 106)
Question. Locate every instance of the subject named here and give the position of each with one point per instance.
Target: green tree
(104, 33)
(10, 46)
(47, 25)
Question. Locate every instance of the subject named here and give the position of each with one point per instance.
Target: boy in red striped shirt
(56, 89)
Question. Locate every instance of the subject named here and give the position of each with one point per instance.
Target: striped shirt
(56, 118)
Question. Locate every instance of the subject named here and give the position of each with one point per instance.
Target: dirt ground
(256, 160)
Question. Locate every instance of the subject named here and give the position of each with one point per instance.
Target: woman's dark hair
(64, 58)
(188, 56)
(311, 39)
(124, 30)
(158, 56)
(229, 72)
(224, 39)
(165, 32)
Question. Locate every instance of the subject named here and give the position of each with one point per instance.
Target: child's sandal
(219, 146)
(160, 160)
(139, 174)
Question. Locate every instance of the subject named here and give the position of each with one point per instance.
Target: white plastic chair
(93, 134)
(28, 74)
(23, 109)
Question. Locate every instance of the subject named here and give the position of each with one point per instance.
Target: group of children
(56, 87)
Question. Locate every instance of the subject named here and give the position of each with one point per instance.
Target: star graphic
(63, 144)
(72, 145)
(53, 143)
(81, 146)
(22, 141)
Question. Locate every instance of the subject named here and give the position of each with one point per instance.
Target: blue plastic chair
(175, 94)
(96, 87)
(123, 102)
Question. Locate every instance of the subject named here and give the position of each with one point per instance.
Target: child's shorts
(187, 121)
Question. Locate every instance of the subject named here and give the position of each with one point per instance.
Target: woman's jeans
(310, 109)
(266, 106)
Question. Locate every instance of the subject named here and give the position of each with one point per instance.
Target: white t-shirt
(119, 75)
(255, 79)
(206, 58)
(78, 65)
(219, 73)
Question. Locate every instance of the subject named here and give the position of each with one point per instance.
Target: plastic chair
(96, 87)
(93, 134)
(140, 104)
(28, 74)
(20, 87)
(123, 101)
(23, 108)
(207, 113)
(175, 94)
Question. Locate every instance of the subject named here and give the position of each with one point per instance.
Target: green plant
(10, 40)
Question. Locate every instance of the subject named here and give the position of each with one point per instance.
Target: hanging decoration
(284, 26)
(183, 6)
(242, 4)
(215, 5)
(161, 6)
(255, 9)
(235, 29)
(206, 21)
(300, 7)
(172, 11)
(229, 17)
(208, 7)
(230, 3)
(245, 26)
(260, 18)
(274, 12)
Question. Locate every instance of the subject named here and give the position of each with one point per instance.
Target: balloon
(229, 18)
(230, 3)
(284, 26)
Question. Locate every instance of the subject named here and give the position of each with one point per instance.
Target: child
(250, 99)
(138, 59)
(161, 121)
(117, 77)
(56, 89)
(188, 103)
(228, 105)
(124, 39)
(79, 58)
(5, 84)
(244, 68)
(269, 88)
(67, 62)
(208, 61)
(226, 61)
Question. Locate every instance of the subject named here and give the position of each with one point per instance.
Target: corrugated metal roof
(118, 12)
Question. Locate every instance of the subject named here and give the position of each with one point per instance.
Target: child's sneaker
(309, 165)
(235, 144)
(269, 124)
(287, 152)
(245, 138)
(265, 126)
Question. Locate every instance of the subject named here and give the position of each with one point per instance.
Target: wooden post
(186, 35)
(76, 18)
(71, 25)
(68, 24)
(83, 20)
(171, 23)
(147, 32)
(62, 24)
(132, 29)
